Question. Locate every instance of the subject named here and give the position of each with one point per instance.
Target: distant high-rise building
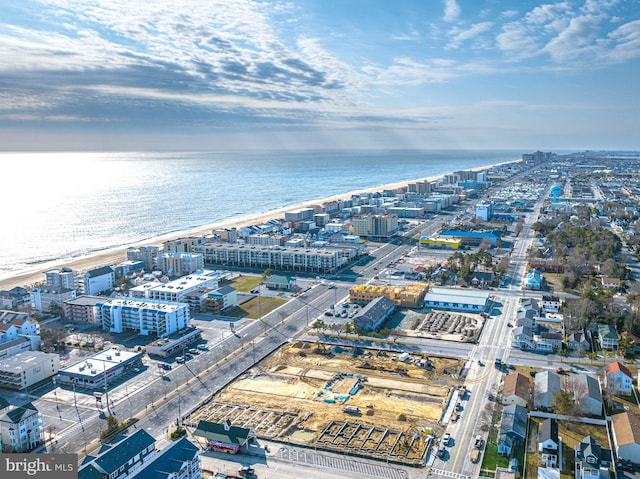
(147, 254)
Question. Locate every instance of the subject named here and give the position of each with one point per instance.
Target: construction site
(364, 402)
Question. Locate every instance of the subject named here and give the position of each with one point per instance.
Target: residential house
(586, 393)
(550, 304)
(15, 297)
(618, 380)
(21, 428)
(548, 341)
(481, 279)
(548, 442)
(547, 387)
(591, 460)
(522, 338)
(513, 428)
(578, 340)
(179, 460)
(223, 437)
(626, 436)
(608, 336)
(516, 389)
(610, 283)
(122, 457)
(534, 280)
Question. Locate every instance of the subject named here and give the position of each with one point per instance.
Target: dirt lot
(305, 388)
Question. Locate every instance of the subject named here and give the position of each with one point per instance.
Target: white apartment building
(484, 210)
(27, 368)
(266, 239)
(176, 290)
(276, 257)
(43, 297)
(63, 278)
(179, 264)
(146, 316)
(21, 428)
(98, 280)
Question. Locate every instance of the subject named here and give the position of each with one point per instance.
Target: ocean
(61, 206)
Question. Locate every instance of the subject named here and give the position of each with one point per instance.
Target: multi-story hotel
(179, 264)
(290, 259)
(376, 227)
(147, 316)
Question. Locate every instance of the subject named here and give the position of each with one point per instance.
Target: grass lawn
(491, 458)
(571, 433)
(246, 283)
(250, 308)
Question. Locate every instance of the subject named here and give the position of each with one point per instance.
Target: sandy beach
(119, 254)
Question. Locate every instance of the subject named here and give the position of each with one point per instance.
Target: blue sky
(175, 74)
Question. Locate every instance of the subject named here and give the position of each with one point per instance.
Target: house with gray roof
(522, 338)
(548, 442)
(124, 455)
(587, 393)
(179, 460)
(371, 317)
(21, 428)
(578, 340)
(513, 428)
(591, 459)
(547, 385)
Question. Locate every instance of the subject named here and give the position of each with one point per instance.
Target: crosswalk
(434, 472)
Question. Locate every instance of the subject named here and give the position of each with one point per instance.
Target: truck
(475, 455)
(478, 442)
(352, 410)
(498, 363)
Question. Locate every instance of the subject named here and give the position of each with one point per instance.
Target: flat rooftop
(100, 362)
(190, 282)
(144, 303)
(453, 295)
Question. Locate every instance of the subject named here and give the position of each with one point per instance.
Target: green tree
(562, 403)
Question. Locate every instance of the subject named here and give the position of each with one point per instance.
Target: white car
(446, 438)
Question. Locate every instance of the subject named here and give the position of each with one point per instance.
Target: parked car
(446, 438)
(202, 347)
(180, 359)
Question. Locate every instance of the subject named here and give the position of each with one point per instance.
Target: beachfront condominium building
(81, 309)
(44, 298)
(65, 278)
(176, 291)
(179, 264)
(299, 215)
(146, 254)
(98, 280)
(146, 316)
(21, 428)
(24, 369)
(376, 227)
(276, 257)
(184, 245)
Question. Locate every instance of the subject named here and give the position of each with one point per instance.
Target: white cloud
(626, 39)
(575, 40)
(451, 10)
(460, 36)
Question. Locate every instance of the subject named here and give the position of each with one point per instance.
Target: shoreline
(118, 254)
